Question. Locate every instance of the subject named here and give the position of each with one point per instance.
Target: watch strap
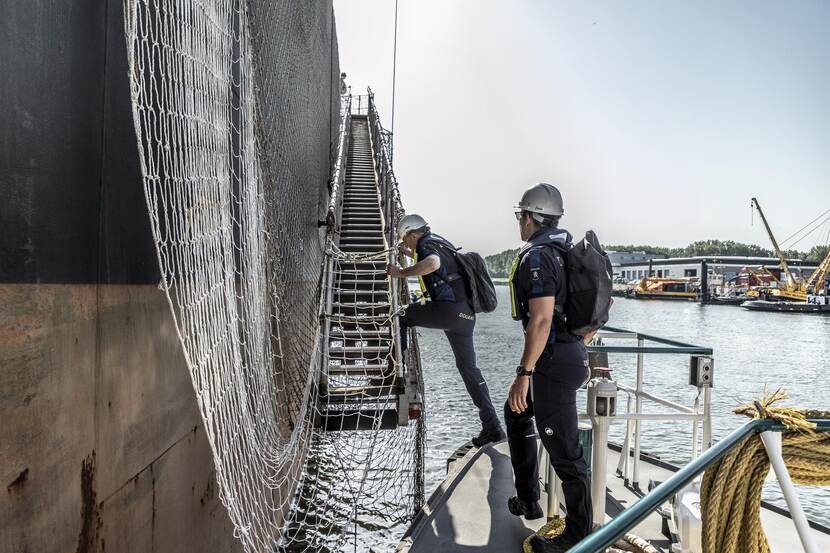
(521, 371)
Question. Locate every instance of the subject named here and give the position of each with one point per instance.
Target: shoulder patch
(535, 273)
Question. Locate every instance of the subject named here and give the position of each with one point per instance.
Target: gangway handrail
(407, 369)
(609, 533)
(381, 139)
(339, 172)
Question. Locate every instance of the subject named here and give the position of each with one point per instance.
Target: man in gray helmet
(448, 310)
(554, 364)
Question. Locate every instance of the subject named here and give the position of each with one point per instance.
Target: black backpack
(481, 292)
(480, 289)
(589, 285)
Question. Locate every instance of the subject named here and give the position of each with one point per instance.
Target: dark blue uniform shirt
(541, 273)
(445, 284)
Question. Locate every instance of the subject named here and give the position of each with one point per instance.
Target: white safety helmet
(410, 222)
(542, 198)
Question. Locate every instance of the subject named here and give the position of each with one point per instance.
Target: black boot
(528, 509)
(559, 544)
(489, 435)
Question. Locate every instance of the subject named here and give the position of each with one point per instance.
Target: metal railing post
(707, 418)
(638, 405)
(599, 466)
(772, 443)
(623, 465)
(695, 428)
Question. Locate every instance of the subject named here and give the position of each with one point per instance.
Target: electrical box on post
(701, 371)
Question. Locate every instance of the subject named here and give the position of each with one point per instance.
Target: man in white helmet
(553, 366)
(448, 310)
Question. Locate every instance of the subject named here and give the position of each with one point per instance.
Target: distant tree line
(499, 263)
(817, 253)
(724, 247)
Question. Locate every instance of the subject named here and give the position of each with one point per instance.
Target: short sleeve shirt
(540, 274)
(436, 282)
(427, 247)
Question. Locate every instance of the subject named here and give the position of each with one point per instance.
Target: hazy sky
(657, 120)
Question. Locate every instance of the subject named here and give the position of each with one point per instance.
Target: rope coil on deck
(628, 543)
(730, 494)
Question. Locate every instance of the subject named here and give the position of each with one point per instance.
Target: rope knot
(764, 409)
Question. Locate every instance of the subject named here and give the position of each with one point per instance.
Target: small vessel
(667, 289)
(730, 295)
(818, 304)
(737, 289)
(620, 288)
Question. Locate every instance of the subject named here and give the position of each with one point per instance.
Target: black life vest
(555, 238)
(447, 276)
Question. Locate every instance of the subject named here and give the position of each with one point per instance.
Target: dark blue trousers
(560, 371)
(458, 321)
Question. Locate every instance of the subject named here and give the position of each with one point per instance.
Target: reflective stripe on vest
(421, 282)
(514, 308)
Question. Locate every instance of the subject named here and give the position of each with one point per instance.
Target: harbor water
(751, 350)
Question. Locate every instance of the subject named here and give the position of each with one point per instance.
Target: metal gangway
(366, 383)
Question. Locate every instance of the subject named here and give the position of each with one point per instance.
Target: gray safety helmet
(408, 223)
(542, 198)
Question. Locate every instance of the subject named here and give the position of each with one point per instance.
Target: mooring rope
(730, 494)
(343, 256)
(629, 542)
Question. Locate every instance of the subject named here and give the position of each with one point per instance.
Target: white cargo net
(235, 150)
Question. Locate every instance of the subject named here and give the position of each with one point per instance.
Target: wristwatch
(521, 371)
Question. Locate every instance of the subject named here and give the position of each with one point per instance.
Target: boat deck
(468, 511)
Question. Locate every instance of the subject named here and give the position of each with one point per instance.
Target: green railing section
(666, 346)
(628, 519)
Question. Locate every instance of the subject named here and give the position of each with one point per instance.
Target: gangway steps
(362, 389)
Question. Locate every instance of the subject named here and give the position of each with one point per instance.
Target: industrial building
(721, 268)
(619, 258)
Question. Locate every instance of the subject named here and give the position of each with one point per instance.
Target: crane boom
(761, 270)
(781, 260)
(818, 277)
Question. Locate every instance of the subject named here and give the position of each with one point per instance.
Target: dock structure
(718, 269)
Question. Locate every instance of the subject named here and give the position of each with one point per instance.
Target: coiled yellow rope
(730, 494)
(628, 543)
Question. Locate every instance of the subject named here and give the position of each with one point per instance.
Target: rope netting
(237, 113)
(628, 543)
